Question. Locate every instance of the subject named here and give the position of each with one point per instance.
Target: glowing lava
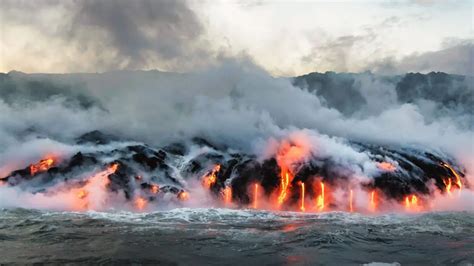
(41, 166)
(411, 203)
(320, 199)
(81, 194)
(183, 195)
(255, 196)
(448, 183)
(155, 189)
(211, 178)
(140, 203)
(227, 195)
(93, 193)
(386, 166)
(373, 199)
(351, 196)
(302, 197)
(458, 178)
(285, 182)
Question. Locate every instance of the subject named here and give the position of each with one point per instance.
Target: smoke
(236, 105)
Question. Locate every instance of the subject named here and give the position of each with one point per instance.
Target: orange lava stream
(285, 182)
(255, 196)
(140, 203)
(411, 203)
(372, 203)
(320, 199)
(458, 178)
(302, 208)
(41, 166)
(227, 195)
(155, 189)
(211, 178)
(448, 183)
(351, 196)
(183, 195)
(386, 166)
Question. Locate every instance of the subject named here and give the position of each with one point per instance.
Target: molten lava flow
(351, 196)
(211, 178)
(155, 189)
(302, 197)
(320, 199)
(140, 203)
(255, 196)
(183, 195)
(41, 166)
(448, 183)
(227, 195)
(285, 182)
(81, 194)
(386, 166)
(411, 203)
(373, 201)
(458, 178)
(290, 152)
(93, 192)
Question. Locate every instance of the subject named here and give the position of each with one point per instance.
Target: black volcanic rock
(96, 137)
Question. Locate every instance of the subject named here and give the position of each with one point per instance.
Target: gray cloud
(166, 28)
(458, 59)
(114, 34)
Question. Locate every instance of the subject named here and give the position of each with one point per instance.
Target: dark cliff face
(141, 167)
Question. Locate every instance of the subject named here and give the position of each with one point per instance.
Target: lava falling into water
(255, 196)
(211, 178)
(183, 195)
(41, 166)
(320, 199)
(95, 188)
(227, 193)
(351, 196)
(458, 178)
(448, 183)
(302, 208)
(411, 203)
(285, 181)
(140, 203)
(372, 202)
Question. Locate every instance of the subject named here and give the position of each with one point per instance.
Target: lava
(448, 183)
(82, 194)
(351, 196)
(155, 189)
(386, 166)
(227, 193)
(458, 178)
(302, 208)
(320, 199)
(183, 195)
(373, 201)
(41, 166)
(95, 186)
(255, 196)
(140, 203)
(411, 203)
(211, 178)
(285, 182)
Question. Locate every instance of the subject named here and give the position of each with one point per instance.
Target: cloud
(103, 35)
(457, 59)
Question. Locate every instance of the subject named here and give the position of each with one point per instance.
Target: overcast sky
(284, 37)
